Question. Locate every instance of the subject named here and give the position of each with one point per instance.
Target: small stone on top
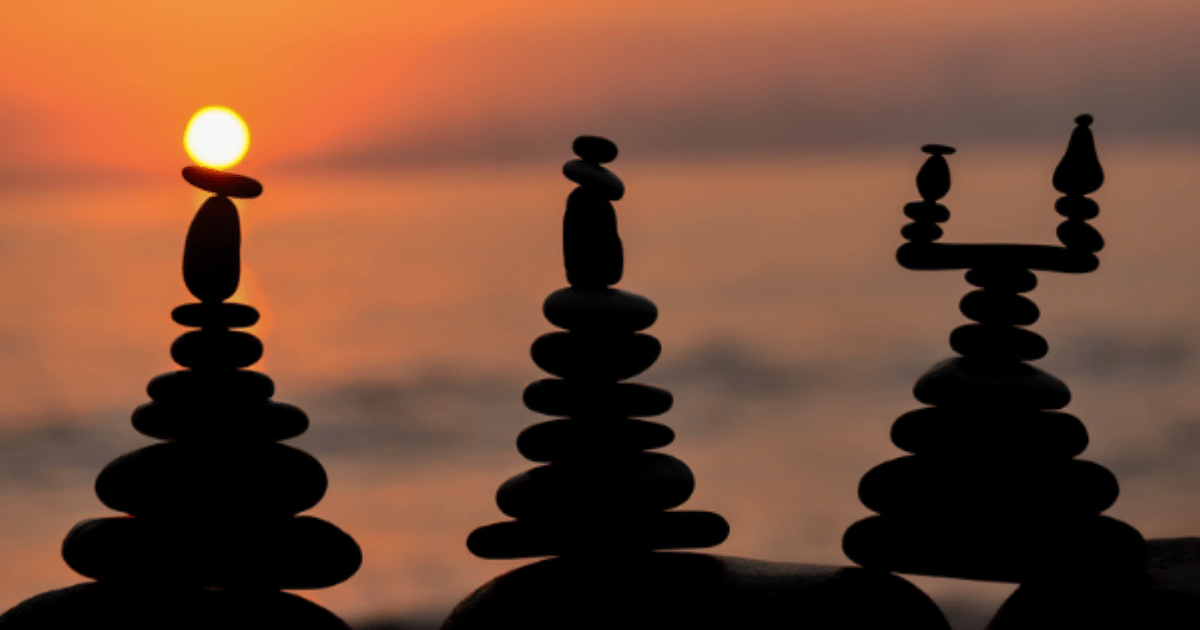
(595, 149)
(938, 149)
(222, 182)
(1083, 119)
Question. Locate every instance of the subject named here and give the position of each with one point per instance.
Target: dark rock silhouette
(992, 489)
(604, 502)
(213, 533)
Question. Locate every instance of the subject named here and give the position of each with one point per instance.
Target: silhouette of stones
(214, 523)
(601, 490)
(991, 490)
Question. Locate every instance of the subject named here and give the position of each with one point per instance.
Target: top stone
(595, 149)
(222, 182)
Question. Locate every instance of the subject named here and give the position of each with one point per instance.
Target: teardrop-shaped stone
(1079, 172)
(212, 251)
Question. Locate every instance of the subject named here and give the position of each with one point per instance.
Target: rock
(967, 487)
(607, 310)
(1079, 171)
(212, 251)
(646, 482)
(555, 397)
(268, 421)
(222, 182)
(597, 536)
(999, 308)
(564, 439)
(213, 389)
(921, 232)
(1003, 279)
(1031, 435)
(927, 211)
(1080, 208)
(216, 348)
(964, 382)
(933, 180)
(149, 605)
(596, 178)
(215, 315)
(592, 252)
(177, 478)
(594, 149)
(998, 343)
(294, 553)
(595, 357)
(1076, 234)
(695, 591)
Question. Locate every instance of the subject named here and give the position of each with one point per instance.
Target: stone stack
(992, 489)
(213, 534)
(601, 490)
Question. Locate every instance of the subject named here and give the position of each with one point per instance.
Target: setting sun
(216, 137)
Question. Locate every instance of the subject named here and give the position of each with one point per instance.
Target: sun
(216, 137)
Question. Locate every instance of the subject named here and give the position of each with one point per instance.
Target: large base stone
(130, 607)
(694, 591)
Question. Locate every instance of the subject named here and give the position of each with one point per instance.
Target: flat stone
(927, 211)
(921, 487)
(996, 549)
(1079, 235)
(999, 308)
(1004, 343)
(148, 605)
(962, 382)
(594, 149)
(1080, 208)
(596, 178)
(695, 591)
(295, 553)
(176, 478)
(222, 182)
(645, 482)
(599, 535)
(215, 315)
(593, 255)
(573, 439)
(921, 232)
(216, 349)
(556, 397)
(607, 310)
(595, 357)
(212, 389)
(268, 421)
(966, 433)
(212, 259)
(1003, 279)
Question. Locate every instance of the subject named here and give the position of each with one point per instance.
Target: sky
(109, 86)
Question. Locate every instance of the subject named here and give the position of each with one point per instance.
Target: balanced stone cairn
(213, 533)
(601, 491)
(992, 489)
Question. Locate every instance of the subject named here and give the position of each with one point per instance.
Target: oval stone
(556, 397)
(216, 349)
(577, 438)
(1003, 279)
(594, 149)
(592, 252)
(269, 421)
(595, 177)
(1082, 208)
(212, 259)
(1078, 235)
(215, 315)
(595, 357)
(222, 182)
(213, 389)
(927, 211)
(962, 382)
(646, 482)
(607, 310)
(999, 307)
(967, 433)
(921, 232)
(998, 342)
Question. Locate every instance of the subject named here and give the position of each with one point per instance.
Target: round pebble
(999, 307)
(607, 310)
(595, 177)
(594, 149)
(556, 397)
(214, 389)
(215, 315)
(216, 349)
(962, 382)
(921, 232)
(595, 357)
(647, 482)
(212, 251)
(949, 433)
(1078, 235)
(268, 421)
(998, 343)
(579, 438)
(222, 182)
(927, 211)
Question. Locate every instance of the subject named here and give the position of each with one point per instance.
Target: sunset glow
(216, 137)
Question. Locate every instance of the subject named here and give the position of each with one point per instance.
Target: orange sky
(111, 84)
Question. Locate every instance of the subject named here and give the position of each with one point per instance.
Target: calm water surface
(399, 308)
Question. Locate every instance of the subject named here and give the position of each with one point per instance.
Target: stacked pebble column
(992, 489)
(602, 490)
(213, 533)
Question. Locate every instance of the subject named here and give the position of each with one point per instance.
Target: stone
(921, 232)
(607, 310)
(556, 397)
(148, 605)
(998, 342)
(1076, 234)
(1079, 172)
(596, 178)
(215, 388)
(927, 211)
(215, 315)
(595, 357)
(963, 382)
(269, 421)
(645, 482)
(933, 180)
(592, 252)
(212, 251)
(1029, 435)
(696, 591)
(596, 535)
(1000, 308)
(216, 348)
(1003, 279)
(574, 438)
(175, 478)
(594, 149)
(295, 553)
(1080, 208)
(222, 182)
(924, 487)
